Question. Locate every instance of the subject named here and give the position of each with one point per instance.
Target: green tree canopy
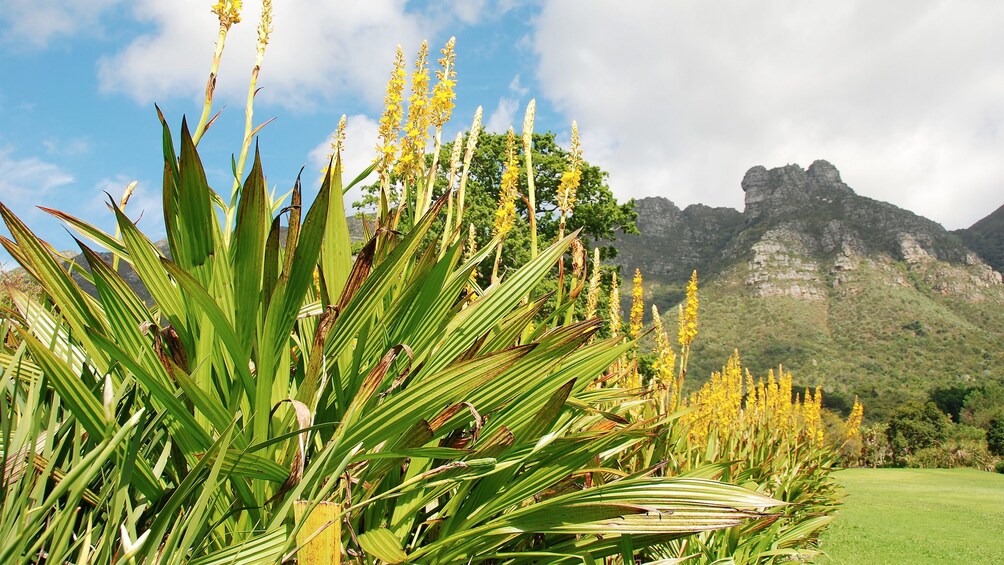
(916, 425)
(596, 211)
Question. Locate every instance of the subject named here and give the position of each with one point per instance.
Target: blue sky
(906, 98)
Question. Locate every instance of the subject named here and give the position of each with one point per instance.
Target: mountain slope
(857, 295)
(986, 237)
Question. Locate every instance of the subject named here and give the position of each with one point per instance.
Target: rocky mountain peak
(657, 216)
(782, 190)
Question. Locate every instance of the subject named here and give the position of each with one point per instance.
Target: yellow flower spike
(570, 179)
(665, 357)
(337, 142)
(593, 296)
(505, 214)
(472, 143)
(264, 26)
(390, 121)
(443, 95)
(637, 306)
(688, 315)
(615, 307)
(531, 189)
(416, 128)
(852, 426)
(229, 12)
(458, 147)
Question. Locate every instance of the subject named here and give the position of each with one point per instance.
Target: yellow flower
(571, 178)
(417, 126)
(443, 95)
(853, 425)
(665, 357)
(593, 296)
(615, 307)
(637, 306)
(688, 315)
(264, 25)
(505, 214)
(390, 121)
(229, 12)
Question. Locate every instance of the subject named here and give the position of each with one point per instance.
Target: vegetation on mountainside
(887, 344)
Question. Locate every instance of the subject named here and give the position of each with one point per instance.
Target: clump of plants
(758, 433)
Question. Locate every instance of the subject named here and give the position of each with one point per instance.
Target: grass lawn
(918, 516)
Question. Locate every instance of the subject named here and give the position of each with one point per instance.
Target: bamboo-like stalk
(264, 29)
(531, 192)
(229, 14)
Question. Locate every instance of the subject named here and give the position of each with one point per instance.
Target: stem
(532, 196)
(431, 179)
(207, 106)
(495, 269)
(248, 120)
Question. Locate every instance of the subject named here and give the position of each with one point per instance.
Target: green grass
(918, 516)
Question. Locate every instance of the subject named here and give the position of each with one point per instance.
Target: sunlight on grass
(918, 516)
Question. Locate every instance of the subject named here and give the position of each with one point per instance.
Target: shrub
(953, 453)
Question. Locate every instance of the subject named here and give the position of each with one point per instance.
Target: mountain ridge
(855, 294)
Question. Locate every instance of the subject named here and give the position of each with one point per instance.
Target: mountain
(986, 237)
(854, 294)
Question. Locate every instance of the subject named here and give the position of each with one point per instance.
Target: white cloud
(517, 87)
(361, 134)
(36, 22)
(467, 11)
(26, 181)
(317, 51)
(502, 117)
(675, 99)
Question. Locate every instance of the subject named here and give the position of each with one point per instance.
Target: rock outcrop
(802, 231)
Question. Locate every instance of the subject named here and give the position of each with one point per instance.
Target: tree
(983, 405)
(596, 210)
(915, 426)
(995, 437)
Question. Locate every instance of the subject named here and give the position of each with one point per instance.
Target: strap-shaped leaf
(336, 252)
(422, 399)
(248, 249)
(480, 317)
(146, 260)
(73, 303)
(221, 325)
(85, 406)
(373, 292)
(259, 548)
(382, 544)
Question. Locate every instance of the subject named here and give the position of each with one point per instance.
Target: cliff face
(810, 229)
(986, 238)
(855, 294)
(801, 232)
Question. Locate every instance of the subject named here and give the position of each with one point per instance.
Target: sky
(673, 99)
